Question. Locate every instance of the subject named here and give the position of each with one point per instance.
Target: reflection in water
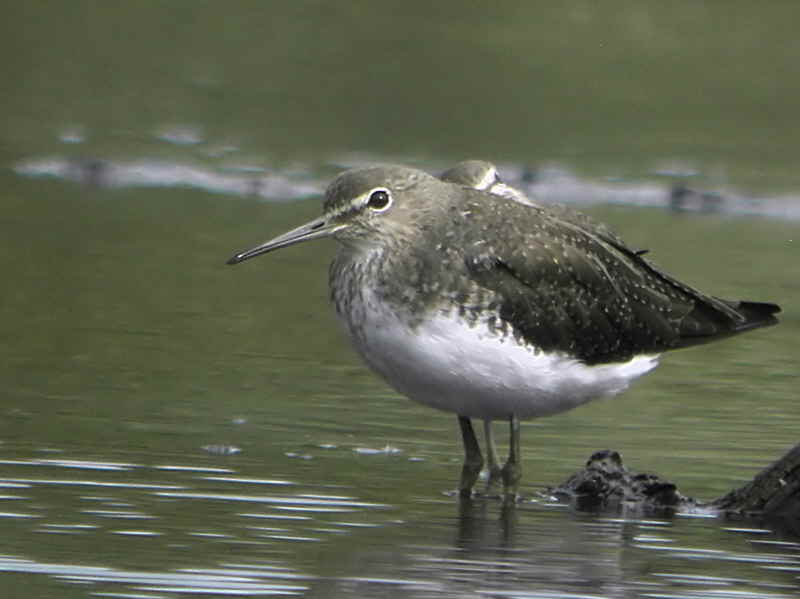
(200, 540)
(523, 552)
(496, 553)
(297, 517)
(236, 578)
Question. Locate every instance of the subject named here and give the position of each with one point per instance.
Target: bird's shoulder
(546, 241)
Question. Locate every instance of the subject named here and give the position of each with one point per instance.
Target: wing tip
(756, 314)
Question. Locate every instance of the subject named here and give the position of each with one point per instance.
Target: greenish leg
(473, 460)
(495, 472)
(512, 471)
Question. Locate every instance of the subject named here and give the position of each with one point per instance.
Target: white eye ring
(379, 199)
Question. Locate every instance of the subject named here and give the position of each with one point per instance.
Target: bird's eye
(379, 200)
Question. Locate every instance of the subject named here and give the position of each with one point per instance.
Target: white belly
(446, 364)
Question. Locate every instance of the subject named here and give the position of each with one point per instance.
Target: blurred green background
(604, 87)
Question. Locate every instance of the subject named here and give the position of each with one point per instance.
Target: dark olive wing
(578, 289)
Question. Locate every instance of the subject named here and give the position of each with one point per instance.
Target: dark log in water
(606, 484)
(773, 492)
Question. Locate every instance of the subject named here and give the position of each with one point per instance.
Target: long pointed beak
(316, 229)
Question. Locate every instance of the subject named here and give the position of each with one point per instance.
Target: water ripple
(317, 501)
(81, 464)
(88, 483)
(219, 581)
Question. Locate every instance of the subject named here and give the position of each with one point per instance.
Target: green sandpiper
(467, 296)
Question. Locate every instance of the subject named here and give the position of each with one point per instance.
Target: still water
(174, 427)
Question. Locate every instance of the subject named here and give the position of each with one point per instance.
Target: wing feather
(576, 287)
